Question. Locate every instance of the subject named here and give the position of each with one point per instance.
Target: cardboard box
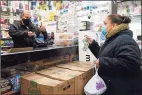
(63, 42)
(67, 75)
(79, 66)
(39, 62)
(53, 61)
(88, 64)
(34, 84)
(49, 62)
(12, 50)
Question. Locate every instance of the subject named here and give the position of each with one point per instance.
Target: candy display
(130, 8)
(65, 36)
(5, 34)
(0, 35)
(42, 5)
(6, 42)
(73, 29)
(5, 85)
(15, 82)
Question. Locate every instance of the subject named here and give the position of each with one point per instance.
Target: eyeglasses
(27, 18)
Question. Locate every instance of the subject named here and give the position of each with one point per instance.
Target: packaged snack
(15, 82)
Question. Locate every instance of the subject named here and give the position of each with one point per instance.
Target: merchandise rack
(6, 38)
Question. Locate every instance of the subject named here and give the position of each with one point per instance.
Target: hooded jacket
(119, 60)
(19, 34)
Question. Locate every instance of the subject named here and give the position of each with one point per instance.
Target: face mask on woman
(103, 33)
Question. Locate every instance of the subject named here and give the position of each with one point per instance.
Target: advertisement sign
(84, 52)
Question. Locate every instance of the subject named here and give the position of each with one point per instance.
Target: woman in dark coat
(119, 58)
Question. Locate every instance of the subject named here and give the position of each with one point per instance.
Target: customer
(52, 36)
(23, 33)
(119, 58)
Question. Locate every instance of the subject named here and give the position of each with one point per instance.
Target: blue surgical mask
(103, 33)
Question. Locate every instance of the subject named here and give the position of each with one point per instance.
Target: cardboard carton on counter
(13, 50)
(77, 78)
(80, 66)
(34, 84)
(54, 61)
(63, 42)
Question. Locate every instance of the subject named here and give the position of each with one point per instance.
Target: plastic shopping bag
(96, 85)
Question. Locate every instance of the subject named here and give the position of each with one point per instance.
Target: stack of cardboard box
(64, 79)
(71, 77)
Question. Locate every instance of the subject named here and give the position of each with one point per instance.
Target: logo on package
(33, 90)
(85, 42)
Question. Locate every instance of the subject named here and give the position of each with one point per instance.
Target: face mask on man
(27, 21)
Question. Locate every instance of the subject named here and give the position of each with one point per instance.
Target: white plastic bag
(96, 85)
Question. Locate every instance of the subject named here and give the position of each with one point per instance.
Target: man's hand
(30, 34)
(42, 29)
(90, 40)
(97, 63)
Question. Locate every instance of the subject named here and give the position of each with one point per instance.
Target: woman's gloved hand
(89, 39)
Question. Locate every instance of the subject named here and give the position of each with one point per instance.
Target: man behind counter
(22, 33)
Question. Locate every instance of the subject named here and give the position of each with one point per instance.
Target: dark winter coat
(119, 60)
(19, 34)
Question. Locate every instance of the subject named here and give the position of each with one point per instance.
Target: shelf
(3, 6)
(120, 1)
(6, 38)
(9, 93)
(134, 16)
(4, 29)
(65, 33)
(40, 49)
(3, 16)
(6, 46)
(64, 39)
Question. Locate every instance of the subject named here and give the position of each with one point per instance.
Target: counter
(10, 59)
(40, 49)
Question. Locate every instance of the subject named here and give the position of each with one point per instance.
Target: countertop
(39, 49)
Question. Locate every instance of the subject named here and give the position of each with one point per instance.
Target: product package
(15, 82)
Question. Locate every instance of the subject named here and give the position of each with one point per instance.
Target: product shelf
(9, 93)
(6, 38)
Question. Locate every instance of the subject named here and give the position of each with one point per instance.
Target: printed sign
(84, 52)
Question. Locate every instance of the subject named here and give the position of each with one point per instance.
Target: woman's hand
(97, 62)
(89, 39)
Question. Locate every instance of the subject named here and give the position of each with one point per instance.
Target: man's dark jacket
(19, 34)
(119, 60)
